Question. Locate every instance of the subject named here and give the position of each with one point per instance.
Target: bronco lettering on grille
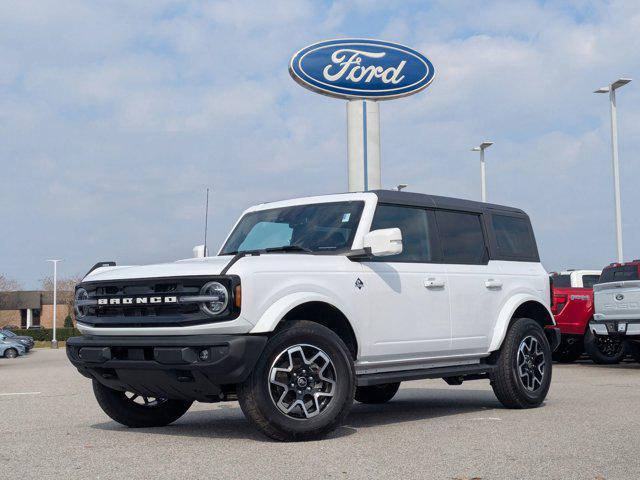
(138, 300)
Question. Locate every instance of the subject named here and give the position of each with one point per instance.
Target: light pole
(483, 176)
(54, 341)
(611, 90)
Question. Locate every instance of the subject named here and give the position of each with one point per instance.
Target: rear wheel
(569, 350)
(377, 393)
(523, 369)
(10, 353)
(302, 386)
(634, 350)
(604, 349)
(138, 411)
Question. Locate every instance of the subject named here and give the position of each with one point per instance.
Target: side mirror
(198, 251)
(385, 242)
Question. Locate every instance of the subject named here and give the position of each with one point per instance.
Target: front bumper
(195, 367)
(616, 328)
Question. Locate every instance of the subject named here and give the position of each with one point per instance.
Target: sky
(116, 116)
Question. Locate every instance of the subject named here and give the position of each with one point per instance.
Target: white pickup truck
(314, 302)
(617, 304)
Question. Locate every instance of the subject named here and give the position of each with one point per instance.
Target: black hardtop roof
(435, 201)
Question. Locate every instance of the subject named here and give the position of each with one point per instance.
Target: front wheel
(138, 411)
(523, 369)
(10, 353)
(604, 349)
(302, 386)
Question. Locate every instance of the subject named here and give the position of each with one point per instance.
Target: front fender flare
(504, 318)
(274, 314)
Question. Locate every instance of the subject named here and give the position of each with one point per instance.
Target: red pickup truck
(572, 307)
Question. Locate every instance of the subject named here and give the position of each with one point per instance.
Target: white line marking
(19, 393)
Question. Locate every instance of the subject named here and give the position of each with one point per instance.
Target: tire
(377, 393)
(634, 350)
(523, 368)
(569, 350)
(127, 409)
(604, 349)
(10, 353)
(317, 363)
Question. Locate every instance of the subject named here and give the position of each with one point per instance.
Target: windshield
(7, 333)
(319, 227)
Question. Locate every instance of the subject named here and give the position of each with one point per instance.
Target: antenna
(206, 223)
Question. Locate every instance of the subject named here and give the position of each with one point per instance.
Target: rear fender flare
(506, 314)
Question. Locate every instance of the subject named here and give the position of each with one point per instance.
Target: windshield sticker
(346, 217)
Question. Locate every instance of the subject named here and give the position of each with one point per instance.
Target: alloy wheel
(302, 381)
(608, 346)
(531, 363)
(144, 401)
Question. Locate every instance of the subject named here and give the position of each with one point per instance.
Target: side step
(453, 375)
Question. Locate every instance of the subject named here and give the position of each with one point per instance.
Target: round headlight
(220, 298)
(81, 311)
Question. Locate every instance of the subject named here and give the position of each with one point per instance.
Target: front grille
(149, 314)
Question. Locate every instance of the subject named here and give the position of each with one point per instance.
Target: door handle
(434, 283)
(491, 283)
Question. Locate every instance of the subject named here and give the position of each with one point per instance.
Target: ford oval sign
(352, 68)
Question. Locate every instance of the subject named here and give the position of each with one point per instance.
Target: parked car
(11, 349)
(23, 339)
(573, 309)
(617, 305)
(313, 302)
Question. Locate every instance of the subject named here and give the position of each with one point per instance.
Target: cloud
(116, 116)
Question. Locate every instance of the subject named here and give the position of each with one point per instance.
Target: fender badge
(619, 296)
(359, 284)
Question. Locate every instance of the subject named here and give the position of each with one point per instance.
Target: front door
(408, 293)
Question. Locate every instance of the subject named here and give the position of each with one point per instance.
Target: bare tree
(8, 284)
(66, 287)
(65, 284)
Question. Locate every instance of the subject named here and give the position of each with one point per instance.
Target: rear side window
(416, 226)
(461, 238)
(561, 281)
(514, 238)
(619, 274)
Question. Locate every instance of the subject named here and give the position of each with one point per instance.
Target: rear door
(475, 285)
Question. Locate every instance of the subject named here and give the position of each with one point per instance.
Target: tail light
(559, 302)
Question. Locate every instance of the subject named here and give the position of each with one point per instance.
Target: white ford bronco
(313, 302)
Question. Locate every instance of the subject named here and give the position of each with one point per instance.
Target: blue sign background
(356, 68)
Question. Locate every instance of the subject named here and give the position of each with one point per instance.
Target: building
(34, 308)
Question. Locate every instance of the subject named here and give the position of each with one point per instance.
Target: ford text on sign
(351, 68)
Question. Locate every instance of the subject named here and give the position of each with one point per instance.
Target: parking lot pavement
(589, 428)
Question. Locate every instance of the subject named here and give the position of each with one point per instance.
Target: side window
(588, 281)
(561, 281)
(514, 237)
(461, 238)
(416, 226)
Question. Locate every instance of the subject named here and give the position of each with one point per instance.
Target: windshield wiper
(288, 248)
(284, 248)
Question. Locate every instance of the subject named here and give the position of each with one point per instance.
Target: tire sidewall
(337, 351)
(530, 328)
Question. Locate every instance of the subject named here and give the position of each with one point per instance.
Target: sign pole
(363, 145)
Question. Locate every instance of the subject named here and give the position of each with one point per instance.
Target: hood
(181, 268)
